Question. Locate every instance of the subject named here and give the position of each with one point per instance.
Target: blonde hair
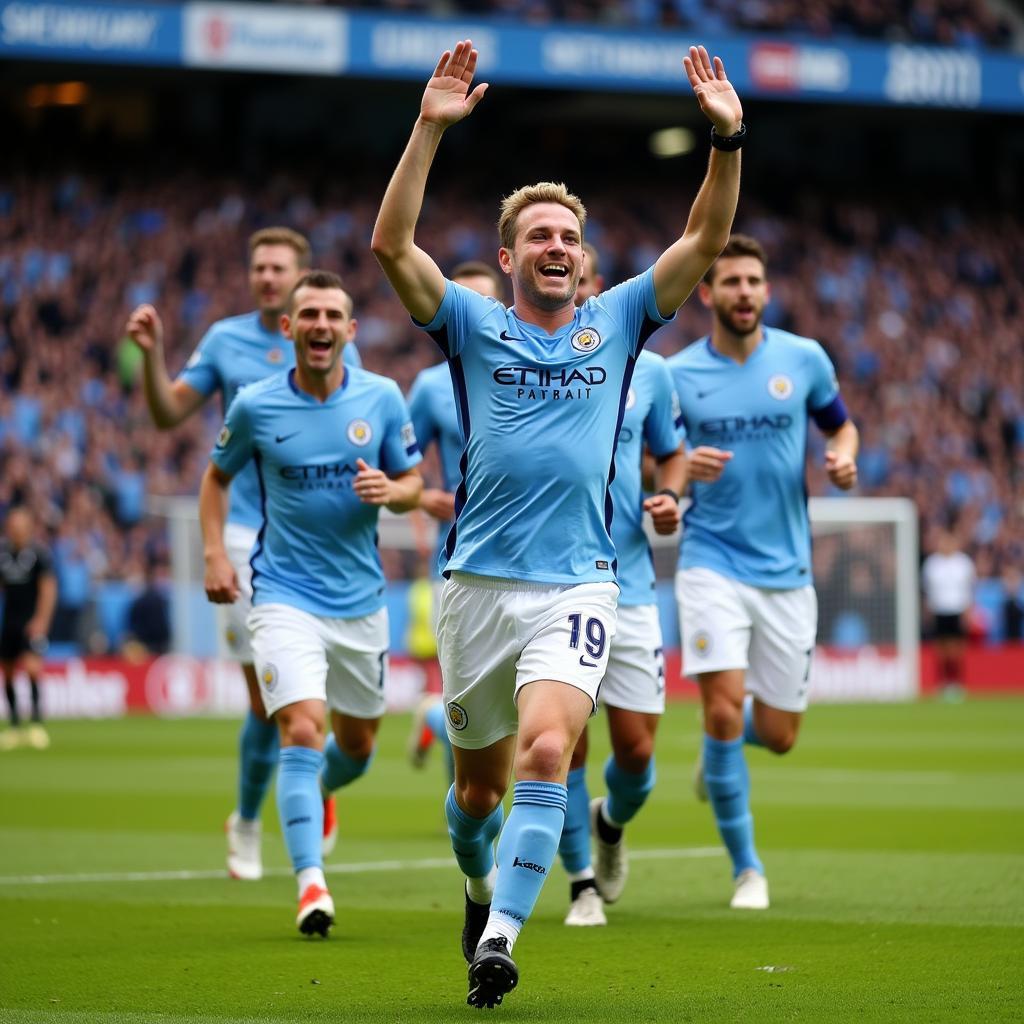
(528, 195)
(282, 236)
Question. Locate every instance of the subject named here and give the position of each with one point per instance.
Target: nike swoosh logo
(505, 336)
(284, 437)
(587, 664)
(713, 391)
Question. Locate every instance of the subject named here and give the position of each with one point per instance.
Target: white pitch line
(364, 868)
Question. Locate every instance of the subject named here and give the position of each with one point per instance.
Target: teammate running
(748, 612)
(331, 445)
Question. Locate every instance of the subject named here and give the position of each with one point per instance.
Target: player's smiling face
(547, 260)
(320, 324)
(273, 271)
(737, 293)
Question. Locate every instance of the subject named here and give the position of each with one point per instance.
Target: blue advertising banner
(769, 67)
(294, 39)
(143, 33)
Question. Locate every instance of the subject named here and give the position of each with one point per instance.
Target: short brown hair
(476, 268)
(282, 236)
(528, 195)
(592, 258)
(318, 279)
(738, 245)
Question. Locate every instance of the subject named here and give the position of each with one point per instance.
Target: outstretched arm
(686, 261)
(446, 100)
(169, 401)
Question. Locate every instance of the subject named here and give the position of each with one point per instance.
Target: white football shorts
(635, 680)
(496, 635)
(300, 656)
(726, 624)
(233, 618)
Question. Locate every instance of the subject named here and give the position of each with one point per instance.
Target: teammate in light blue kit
(331, 445)
(528, 608)
(633, 689)
(747, 605)
(237, 351)
(435, 420)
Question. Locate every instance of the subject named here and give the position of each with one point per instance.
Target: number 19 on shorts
(593, 635)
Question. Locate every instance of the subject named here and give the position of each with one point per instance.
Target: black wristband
(729, 143)
(672, 494)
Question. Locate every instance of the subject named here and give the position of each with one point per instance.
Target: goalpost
(865, 572)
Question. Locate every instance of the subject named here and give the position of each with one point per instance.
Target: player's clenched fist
(144, 328)
(841, 469)
(221, 581)
(664, 512)
(372, 486)
(705, 464)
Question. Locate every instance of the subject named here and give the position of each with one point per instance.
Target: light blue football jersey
(317, 547)
(541, 414)
(234, 352)
(751, 524)
(653, 418)
(435, 420)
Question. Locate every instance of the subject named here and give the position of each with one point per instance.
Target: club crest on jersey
(780, 387)
(268, 676)
(359, 432)
(457, 717)
(586, 339)
(630, 398)
(223, 437)
(232, 638)
(275, 355)
(701, 643)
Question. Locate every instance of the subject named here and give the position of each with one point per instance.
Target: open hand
(447, 98)
(714, 92)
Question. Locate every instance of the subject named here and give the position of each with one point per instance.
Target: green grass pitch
(893, 838)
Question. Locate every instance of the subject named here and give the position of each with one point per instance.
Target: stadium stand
(962, 23)
(923, 312)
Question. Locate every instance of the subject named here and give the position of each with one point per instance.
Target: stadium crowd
(922, 311)
(964, 23)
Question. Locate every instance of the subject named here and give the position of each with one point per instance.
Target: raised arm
(685, 262)
(170, 402)
(446, 100)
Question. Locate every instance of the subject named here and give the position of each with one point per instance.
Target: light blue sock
(300, 805)
(340, 768)
(574, 846)
(257, 754)
(627, 791)
(472, 838)
(749, 732)
(728, 785)
(526, 849)
(434, 720)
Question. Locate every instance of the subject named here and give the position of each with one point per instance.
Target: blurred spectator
(1013, 605)
(948, 578)
(149, 621)
(938, 22)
